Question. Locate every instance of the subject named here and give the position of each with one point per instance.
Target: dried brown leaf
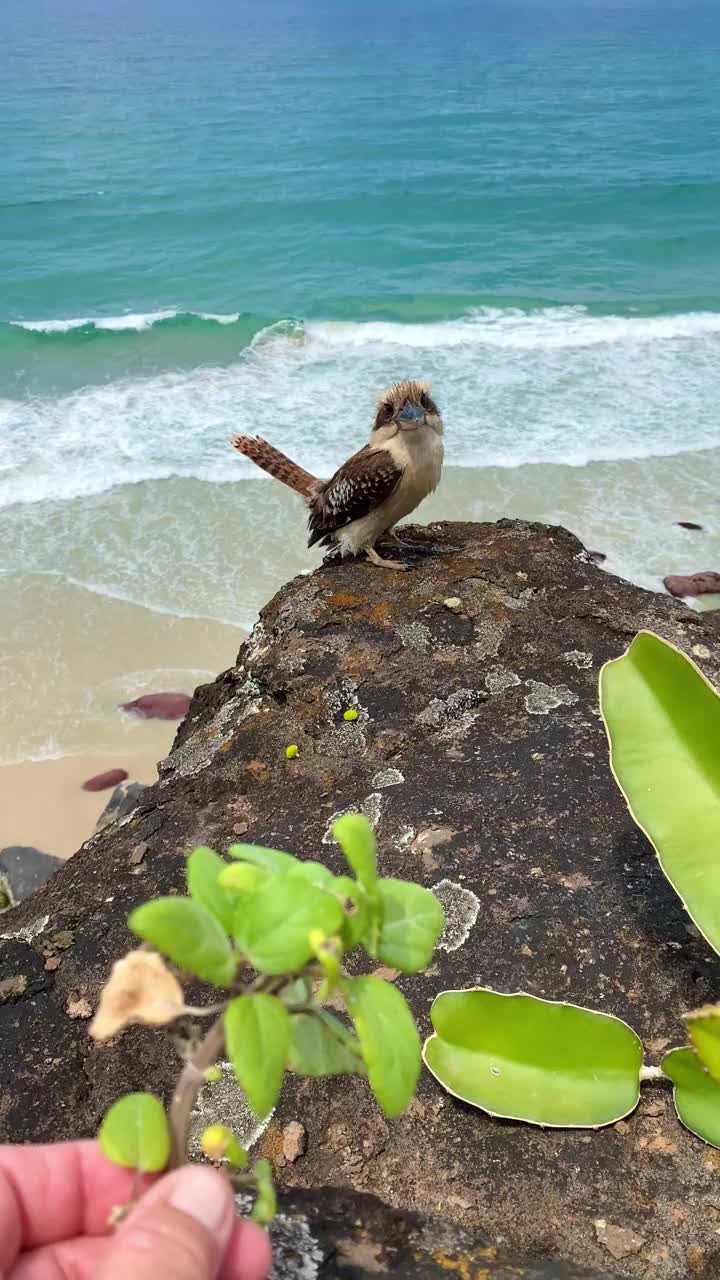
(140, 988)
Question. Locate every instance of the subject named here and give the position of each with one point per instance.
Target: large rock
(479, 754)
(340, 1234)
(24, 870)
(123, 800)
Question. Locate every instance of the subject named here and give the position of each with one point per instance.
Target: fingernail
(202, 1194)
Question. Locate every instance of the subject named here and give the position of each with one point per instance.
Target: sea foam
(516, 387)
(118, 324)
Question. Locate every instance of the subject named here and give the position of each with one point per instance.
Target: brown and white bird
(379, 485)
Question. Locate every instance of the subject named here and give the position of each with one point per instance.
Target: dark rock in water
(159, 706)
(123, 800)
(688, 524)
(480, 757)
(693, 584)
(24, 870)
(597, 557)
(103, 781)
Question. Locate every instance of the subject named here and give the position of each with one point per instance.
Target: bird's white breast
(420, 454)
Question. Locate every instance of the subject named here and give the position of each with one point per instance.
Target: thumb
(180, 1229)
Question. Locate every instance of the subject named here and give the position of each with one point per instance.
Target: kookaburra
(378, 486)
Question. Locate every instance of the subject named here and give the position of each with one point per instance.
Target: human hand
(55, 1202)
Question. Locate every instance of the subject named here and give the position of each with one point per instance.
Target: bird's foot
(400, 542)
(378, 560)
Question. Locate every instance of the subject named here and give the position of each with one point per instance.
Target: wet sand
(44, 806)
(69, 658)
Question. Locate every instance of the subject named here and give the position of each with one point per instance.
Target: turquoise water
(235, 215)
(227, 215)
(390, 160)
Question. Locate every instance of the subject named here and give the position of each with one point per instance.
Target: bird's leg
(400, 542)
(374, 558)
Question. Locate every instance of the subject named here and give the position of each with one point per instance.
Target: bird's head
(407, 406)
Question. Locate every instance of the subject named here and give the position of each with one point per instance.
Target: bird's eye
(388, 409)
(425, 401)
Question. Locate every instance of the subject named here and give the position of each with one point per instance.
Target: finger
(182, 1226)
(248, 1256)
(69, 1260)
(53, 1192)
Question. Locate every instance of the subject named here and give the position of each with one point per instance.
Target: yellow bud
(350, 714)
(215, 1141)
(291, 752)
(219, 1143)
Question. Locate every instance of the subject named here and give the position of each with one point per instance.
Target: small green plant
(551, 1063)
(271, 933)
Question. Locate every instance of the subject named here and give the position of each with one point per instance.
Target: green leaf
(412, 921)
(299, 991)
(356, 922)
(321, 1046)
(135, 1133)
(388, 1038)
(314, 872)
(204, 868)
(188, 934)
(663, 723)
(241, 877)
(257, 1035)
(357, 841)
(535, 1060)
(265, 1205)
(268, 859)
(704, 1030)
(695, 1094)
(273, 928)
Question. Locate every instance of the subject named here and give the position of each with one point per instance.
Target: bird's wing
(359, 486)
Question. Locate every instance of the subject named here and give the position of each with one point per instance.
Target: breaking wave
(516, 386)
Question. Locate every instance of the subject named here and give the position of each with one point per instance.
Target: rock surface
(339, 1234)
(480, 757)
(123, 800)
(24, 870)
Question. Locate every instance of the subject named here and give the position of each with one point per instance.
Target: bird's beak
(410, 416)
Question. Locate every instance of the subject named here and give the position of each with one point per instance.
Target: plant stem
(191, 1079)
(192, 1076)
(242, 1181)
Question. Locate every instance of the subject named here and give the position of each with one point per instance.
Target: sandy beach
(70, 657)
(67, 815)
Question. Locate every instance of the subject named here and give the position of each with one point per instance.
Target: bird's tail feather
(276, 464)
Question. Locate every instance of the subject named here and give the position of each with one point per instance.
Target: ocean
(243, 217)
